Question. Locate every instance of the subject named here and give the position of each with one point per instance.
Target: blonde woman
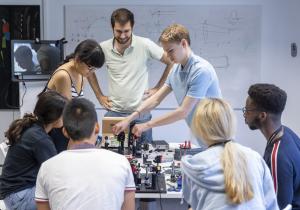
(226, 175)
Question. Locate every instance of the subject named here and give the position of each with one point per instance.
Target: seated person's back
(29, 146)
(85, 177)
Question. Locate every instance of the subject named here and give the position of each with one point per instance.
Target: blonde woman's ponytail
(237, 185)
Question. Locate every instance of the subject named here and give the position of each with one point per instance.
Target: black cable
(22, 98)
(25, 90)
(160, 199)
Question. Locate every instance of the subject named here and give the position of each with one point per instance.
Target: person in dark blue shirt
(29, 146)
(264, 106)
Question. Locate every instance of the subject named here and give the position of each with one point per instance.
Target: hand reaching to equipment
(138, 129)
(120, 126)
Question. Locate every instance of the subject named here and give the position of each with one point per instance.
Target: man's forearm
(147, 105)
(150, 103)
(168, 118)
(178, 114)
(43, 205)
(164, 75)
(129, 201)
(95, 85)
(154, 100)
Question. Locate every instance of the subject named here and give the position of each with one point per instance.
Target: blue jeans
(147, 135)
(22, 200)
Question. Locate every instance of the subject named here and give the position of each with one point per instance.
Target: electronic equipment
(121, 140)
(110, 139)
(173, 175)
(179, 153)
(134, 143)
(160, 145)
(153, 183)
(35, 59)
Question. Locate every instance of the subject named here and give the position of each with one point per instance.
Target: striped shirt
(282, 156)
(74, 92)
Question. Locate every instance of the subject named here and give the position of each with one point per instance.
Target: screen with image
(33, 60)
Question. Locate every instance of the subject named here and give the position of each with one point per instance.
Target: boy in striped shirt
(264, 106)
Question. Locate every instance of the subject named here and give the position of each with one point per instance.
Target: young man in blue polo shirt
(263, 110)
(191, 79)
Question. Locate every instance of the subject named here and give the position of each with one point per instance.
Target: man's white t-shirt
(128, 73)
(82, 179)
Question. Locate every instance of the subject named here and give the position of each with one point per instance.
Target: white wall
(279, 28)
(6, 116)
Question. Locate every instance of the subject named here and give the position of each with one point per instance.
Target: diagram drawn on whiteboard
(226, 36)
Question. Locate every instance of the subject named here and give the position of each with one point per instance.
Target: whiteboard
(227, 36)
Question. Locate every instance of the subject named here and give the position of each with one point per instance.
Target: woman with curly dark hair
(29, 146)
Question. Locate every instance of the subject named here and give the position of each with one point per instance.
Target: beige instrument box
(107, 134)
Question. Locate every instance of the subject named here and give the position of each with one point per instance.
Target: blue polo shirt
(197, 79)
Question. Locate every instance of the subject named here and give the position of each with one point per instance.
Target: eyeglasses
(244, 110)
(91, 68)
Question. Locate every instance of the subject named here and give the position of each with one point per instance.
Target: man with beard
(263, 110)
(126, 57)
(191, 80)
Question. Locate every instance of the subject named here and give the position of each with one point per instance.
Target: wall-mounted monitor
(35, 60)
